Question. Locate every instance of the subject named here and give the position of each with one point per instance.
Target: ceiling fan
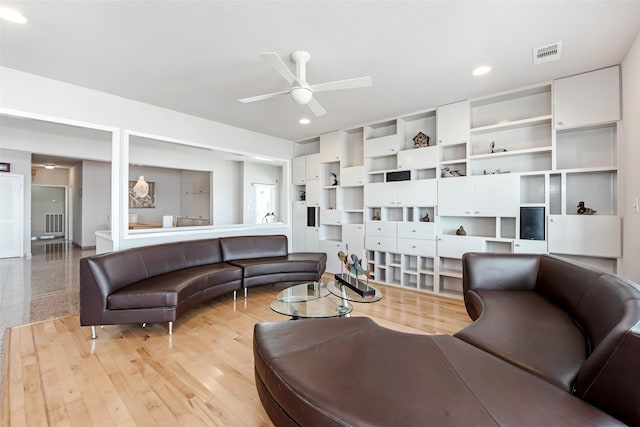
(301, 91)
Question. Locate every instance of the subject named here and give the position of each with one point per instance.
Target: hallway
(43, 287)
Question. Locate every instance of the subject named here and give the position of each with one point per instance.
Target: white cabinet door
(418, 158)
(588, 98)
(421, 192)
(382, 228)
(330, 147)
(352, 177)
(331, 248)
(452, 122)
(417, 230)
(331, 216)
(298, 226)
(425, 248)
(298, 170)
(380, 243)
(588, 235)
(456, 196)
(456, 246)
(530, 246)
(312, 240)
(382, 146)
(312, 166)
(313, 192)
(497, 195)
(353, 235)
(381, 194)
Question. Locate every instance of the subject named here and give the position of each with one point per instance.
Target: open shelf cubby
(590, 147)
(511, 106)
(421, 122)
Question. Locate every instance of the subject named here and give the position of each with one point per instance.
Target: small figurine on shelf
(448, 173)
(493, 149)
(376, 216)
(582, 210)
(420, 140)
(334, 179)
(461, 231)
(425, 218)
(303, 196)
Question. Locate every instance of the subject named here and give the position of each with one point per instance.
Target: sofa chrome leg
(235, 295)
(93, 333)
(170, 328)
(144, 325)
(245, 292)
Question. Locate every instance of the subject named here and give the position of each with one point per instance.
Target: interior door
(11, 215)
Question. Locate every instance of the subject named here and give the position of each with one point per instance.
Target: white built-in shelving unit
(555, 144)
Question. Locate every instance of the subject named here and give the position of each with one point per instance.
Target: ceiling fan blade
(265, 96)
(343, 84)
(278, 64)
(316, 108)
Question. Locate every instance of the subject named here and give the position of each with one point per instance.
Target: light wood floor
(54, 374)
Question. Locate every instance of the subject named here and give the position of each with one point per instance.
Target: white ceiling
(199, 57)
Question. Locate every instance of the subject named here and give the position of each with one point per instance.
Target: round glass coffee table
(309, 300)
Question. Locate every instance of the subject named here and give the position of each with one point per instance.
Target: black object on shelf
(361, 288)
(398, 176)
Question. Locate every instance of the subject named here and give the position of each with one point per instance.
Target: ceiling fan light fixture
(302, 95)
(304, 121)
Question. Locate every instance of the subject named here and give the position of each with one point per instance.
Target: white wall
(96, 200)
(42, 98)
(75, 196)
(631, 155)
(58, 176)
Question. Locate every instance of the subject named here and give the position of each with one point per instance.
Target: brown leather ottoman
(351, 371)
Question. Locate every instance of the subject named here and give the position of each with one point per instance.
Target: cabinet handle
(477, 212)
(559, 123)
(413, 231)
(517, 245)
(414, 246)
(467, 212)
(552, 220)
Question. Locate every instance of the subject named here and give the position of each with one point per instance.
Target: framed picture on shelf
(148, 201)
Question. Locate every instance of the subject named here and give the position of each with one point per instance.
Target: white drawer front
(426, 248)
(381, 228)
(456, 246)
(417, 230)
(380, 243)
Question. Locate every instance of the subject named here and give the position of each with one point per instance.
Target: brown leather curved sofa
(158, 283)
(553, 344)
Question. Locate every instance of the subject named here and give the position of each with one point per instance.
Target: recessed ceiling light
(49, 166)
(12, 15)
(304, 121)
(483, 69)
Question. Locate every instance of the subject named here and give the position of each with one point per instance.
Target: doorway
(48, 212)
(11, 216)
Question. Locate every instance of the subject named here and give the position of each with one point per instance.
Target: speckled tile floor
(43, 287)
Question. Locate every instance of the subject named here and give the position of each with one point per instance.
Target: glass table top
(309, 300)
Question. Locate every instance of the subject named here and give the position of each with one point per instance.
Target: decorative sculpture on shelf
(334, 179)
(461, 231)
(420, 140)
(493, 149)
(425, 218)
(354, 265)
(582, 210)
(376, 216)
(448, 173)
(303, 195)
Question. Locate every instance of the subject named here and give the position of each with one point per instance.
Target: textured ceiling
(199, 57)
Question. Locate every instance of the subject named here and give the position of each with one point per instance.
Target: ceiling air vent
(548, 53)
